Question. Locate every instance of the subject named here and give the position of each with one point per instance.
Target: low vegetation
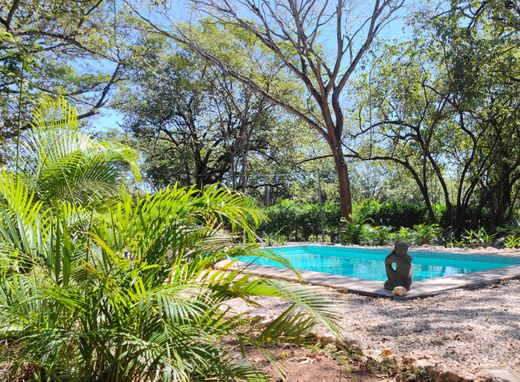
(142, 142)
(123, 289)
(375, 223)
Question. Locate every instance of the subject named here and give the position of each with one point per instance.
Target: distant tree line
(263, 105)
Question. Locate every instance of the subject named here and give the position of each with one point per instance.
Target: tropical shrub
(365, 210)
(397, 214)
(367, 234)
(404, 234)
(478, 237)
(299, 222)
(126, 290)
(282, 219)
(512, 228)
(512, 241)
(426, 234)
(353, 232)
(58, 161)
(303, 222)
(376, 235)
(510, 234)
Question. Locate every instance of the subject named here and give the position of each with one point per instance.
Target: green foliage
(373, 223)
(125, 290)
(354, 233)
(474, 238)
(512, 234)
(393, 213)
(58, 47)
(58, 161)
(363, 233)
(135, 296)
(194, 123)
(426, 233)
(512, 241)
(512, 228)
(376, 235)
(300, 222)
(443, 106)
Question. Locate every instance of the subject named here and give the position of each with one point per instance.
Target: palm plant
(427, 233)
(130, 294)
(58, 161)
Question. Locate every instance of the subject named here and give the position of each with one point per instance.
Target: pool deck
(420, 288)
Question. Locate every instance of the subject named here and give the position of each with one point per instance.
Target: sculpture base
(390, 285)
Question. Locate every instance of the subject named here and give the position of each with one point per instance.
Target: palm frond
(58, 161)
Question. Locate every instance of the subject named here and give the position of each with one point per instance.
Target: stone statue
(401, 275)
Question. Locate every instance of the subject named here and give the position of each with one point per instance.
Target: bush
(377, 235)
(124, 289)
(396, 214)
(426, 234)
(475, 238)
(353, 233)
(303, 222)
(366, 234)
(512, 241)
(293, 221)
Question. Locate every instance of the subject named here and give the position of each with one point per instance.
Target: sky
(109, 119)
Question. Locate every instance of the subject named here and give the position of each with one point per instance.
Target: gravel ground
(466, 330)
(462, 330)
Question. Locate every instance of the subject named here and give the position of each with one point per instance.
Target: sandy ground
(309, 365)
(462, 330)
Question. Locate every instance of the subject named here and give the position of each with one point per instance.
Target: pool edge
(372, 288)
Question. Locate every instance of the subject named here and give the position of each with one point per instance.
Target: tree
(444, 106)
(195, 124)
(290, 31)
(46, 48)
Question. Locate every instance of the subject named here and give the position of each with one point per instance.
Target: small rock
(256, 319)
(497, 375)
(326, 339)
(265, 322)
(331, 348)
(452, 376)
(303, 360)
(424, 364)
(354, 341)
(400, 291)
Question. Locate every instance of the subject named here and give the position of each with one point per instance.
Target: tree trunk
(345, 195)
(244, 172)
(267, 188)
(233, 173)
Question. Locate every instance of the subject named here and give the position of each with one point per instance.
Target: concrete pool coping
(374, 288)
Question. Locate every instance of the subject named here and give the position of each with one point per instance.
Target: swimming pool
(368, 263)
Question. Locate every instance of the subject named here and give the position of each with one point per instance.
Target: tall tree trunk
(345, 195)
(245, 164)
(267, 188)
(233, 172)
(243, 175)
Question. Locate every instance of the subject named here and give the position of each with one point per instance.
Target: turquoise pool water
(368, 263)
